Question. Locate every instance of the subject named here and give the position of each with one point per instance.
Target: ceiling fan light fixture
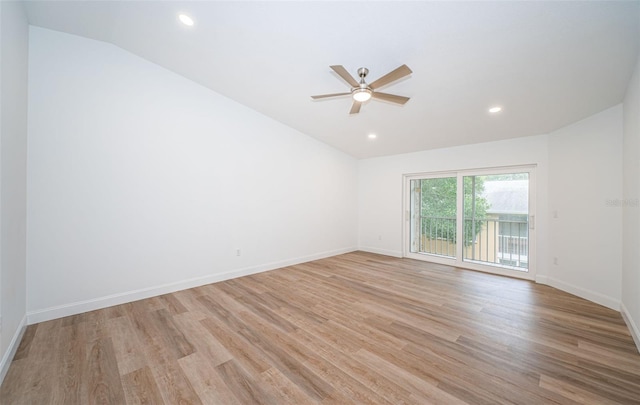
(361, 95)
(186, 20)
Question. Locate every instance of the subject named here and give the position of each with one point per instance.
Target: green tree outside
(438, 208)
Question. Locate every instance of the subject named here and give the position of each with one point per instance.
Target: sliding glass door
(479, 219)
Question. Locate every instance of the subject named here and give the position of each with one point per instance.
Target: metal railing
(496, 242)
(511, 246)
(438, 235)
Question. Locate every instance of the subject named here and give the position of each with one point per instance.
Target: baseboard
(79, 307)
(393, 253)
(5, 363)
(633, 328)
(580, 292)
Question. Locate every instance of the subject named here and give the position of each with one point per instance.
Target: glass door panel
(433, 223)
(496, 220)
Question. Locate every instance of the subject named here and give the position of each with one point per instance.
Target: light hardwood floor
(353, 329)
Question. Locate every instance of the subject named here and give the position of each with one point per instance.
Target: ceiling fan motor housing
(363, 92)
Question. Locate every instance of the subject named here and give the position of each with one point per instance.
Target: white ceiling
(547, 63)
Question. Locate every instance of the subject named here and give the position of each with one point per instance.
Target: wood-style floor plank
(73, 371)
(140, 387)
(103, 385)
(207, 381)
(357, 328)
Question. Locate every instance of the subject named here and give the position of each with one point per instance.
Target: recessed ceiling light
(494, 110)
(186, 20)
(372, 136)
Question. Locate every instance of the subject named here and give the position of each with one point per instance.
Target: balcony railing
(513, 247)
(497, 242)
(438, 235)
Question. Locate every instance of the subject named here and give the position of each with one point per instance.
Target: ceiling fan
(361, 91)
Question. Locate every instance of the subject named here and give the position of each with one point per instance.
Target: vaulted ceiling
(547, 64)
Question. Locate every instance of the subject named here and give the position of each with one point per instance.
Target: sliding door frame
(458, 260)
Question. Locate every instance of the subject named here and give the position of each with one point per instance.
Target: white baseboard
(393, 253)
(580, 292)
(60, 311)
(633, 328)
(11, 350)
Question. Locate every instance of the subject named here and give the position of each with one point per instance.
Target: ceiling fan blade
(390, 97)
(355, 108)
(329, 95)
(392, 76)
(342, 72)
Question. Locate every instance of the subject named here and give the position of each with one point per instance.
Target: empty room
(319, 202)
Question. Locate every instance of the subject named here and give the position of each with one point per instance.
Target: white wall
(578, 170)
(585, 189)
(631, 212)
(13, 163)
(380, 186)
(141, 181)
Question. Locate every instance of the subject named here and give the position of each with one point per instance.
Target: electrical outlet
(237, 252)
(555, 261)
